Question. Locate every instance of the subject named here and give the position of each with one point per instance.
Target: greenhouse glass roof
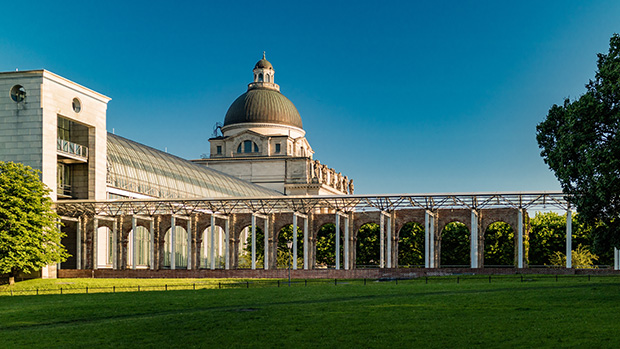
(141, 169)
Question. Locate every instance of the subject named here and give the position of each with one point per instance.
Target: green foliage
(499, 245)
(326, 245)
(580, 143)
(411, 245)
(548, 236)
(368, 245)
(455, 247)
(286, 234)
(29, 238)
(581, 258)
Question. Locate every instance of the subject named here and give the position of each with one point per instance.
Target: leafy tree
(548, 236)
(580, 142)
(29, 237)
(411, 245)
(455, 247)
(499, 245)
(286, 234)
(368, 247)
(326, 245)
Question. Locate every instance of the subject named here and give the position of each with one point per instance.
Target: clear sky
(401, 96)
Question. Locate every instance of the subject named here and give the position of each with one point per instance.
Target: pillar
(347, 252)
(253, 241)
(133, 242)
(95, 228)
(114, 244)
(152, 244)
(212, 244)
(427, 245)
(78, 249)
(520, 238)
(474, 239)
(266, 233)
(294, 241)
(306, 257)
(337, 241)
(189, 244)
(616, 258)
(569, 238)
(432, 241)
(389, 241)
(381, 241)
(172, 230)
(227, 251)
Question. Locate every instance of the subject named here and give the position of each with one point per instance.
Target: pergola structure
(476, 210)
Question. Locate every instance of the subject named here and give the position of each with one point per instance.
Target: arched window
(247, 147)
(268, 77)
(260, 77)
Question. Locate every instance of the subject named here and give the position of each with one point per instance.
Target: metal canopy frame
(308, 204)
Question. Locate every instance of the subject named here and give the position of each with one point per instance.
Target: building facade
(263, 141)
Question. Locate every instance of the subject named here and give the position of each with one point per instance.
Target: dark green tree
(455, 247)
(368, 245)
(411, 245)
(286, 234)
(499, 245)
(29, 236)
(326, 245)
(580, 141)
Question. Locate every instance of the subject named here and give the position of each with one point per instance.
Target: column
(520, 238)
(152, 244)
(432, 241)
(347, 252)
(212, 243)
(569, 238)
(381, 241)
(266, 233)
(337, 241)
(133, 242)
(306, 257)
(389, 241)
(253, 241)
(427, 245)
(294, 241)
(95, 228)
(189, 244)
(115, 244)
(616, 259)
(172, 230)
(474, 239)
(78, 249)
(227, 251)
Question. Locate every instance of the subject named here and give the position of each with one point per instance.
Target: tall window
(219, 150)
(63, 178)
(64, 129)
(277, 147)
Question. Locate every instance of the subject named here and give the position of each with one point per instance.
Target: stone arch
(180, 247)
(281, 251)
(499, 245)
(204, 253)
(454, 244)
(367, 244)
(325, 245)
(143, 238)
(410, 246)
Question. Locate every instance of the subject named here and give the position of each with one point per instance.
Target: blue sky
(401, 96)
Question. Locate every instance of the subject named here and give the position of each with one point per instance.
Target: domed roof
(263, 64)
(263, 105)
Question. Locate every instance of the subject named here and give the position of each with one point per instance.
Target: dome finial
(264, 55)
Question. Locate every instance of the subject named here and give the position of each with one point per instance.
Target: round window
(77, 105)
(18, 93)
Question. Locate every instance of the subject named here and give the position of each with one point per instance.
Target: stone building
(263, 141)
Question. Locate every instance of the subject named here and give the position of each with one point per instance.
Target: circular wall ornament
(77, 105)
(18, 93)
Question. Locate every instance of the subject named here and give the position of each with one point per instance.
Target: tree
(455, 249)
(368, 245)
(580, 142)
(411, 245)
(29, 237)
(499, 245)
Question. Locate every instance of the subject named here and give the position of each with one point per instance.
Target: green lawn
(539, 312)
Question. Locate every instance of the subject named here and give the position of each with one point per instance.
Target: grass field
(538, 312)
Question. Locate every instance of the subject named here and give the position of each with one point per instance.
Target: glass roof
(141, 169)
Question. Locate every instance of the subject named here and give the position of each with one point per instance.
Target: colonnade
(86, 238)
